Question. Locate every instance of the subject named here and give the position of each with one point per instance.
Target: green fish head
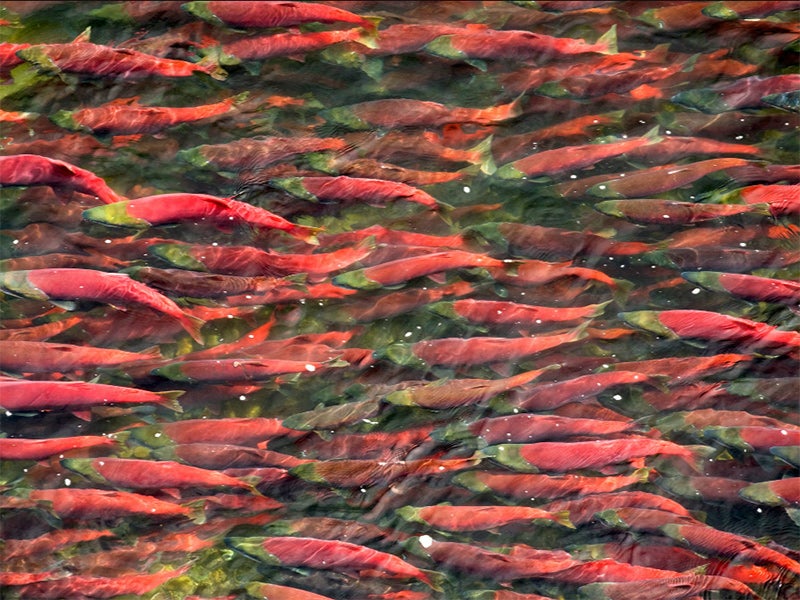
(648, 321)
(64, 118)
(307, 472)
(443, 46)
(356, 280)
(194, 156)
(610, 208)
(83, 466)
(177, 255)
(509, 171)
(344, 115)
(252, 547)
(400, 354)
(508, 455)
(703, 100)
(202, 11)
(706, 279)
(16, 283)
(487, 234)
(172, 372)
(115, 214)
(293, 186)
(720, 10)
(445, 309)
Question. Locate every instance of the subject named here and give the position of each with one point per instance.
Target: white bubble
(467, 189)
(425, 541)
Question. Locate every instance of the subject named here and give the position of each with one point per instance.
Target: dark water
(347, 404)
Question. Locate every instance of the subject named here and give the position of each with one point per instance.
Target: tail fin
(485, 161)
(609, 40)
(193, 325)
(210, 64)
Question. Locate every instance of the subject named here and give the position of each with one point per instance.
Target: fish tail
(306, 233)
(368, 36)
(193, 325)
(484, 158)
(211, 64)
(171, 399)
(562, 518)
(622, 289)
(609, 40)
(434, 579)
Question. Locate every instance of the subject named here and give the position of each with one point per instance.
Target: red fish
(396, 303)
(400, 271)
(673, 212)
(346, 189)
(50, 542)
(377, 445)
(39, 449)
(78, 504)
(780, 492)
(24, 395)
(47, 357)
(445, 517)
(138, 474)
(667, 588)
(225, 456)
(550, 243)
(483, 43)
(527, 428)
(32, 169)
(95, 60)
(709, 540)
(783, 200)
(355, 473)
(405, 112)
(125, 116)
(753, 438)
(749, 287)
(476, 350)
(582, 510)
(565, 159)
(273, 590)
(532, 486)
(451, 393)
(170, 208)
(326, 554)
(292, 43)
(238, 431)
(647, 182)
(498, 312)
(717, 327)
(271, 14)
(221, 370)
(97, 286)
(100, 587)
(742, 93)
(568, 456)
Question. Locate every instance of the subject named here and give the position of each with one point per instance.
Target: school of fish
(400, 300)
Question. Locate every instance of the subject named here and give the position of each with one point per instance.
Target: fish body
(477, 350)
(39, 449)
(494, 44)
(393, 113)
(717, 327)
(749, 287)
(529, 486)
(32, 169)
(23, 356)
(97, 286)
(292, 43)
(105, 61)
(271, 14)
(99, 587)
(673, 212)
(250, 153)
(126, 116)
(446, 517)
(325, 554)
(30, 395)
(400, 271)
(163, 209)
(135, 474)
(499, 312)
(567, 456)
(353, 189)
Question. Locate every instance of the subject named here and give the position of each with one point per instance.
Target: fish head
(252, 547)
(202, 11)
(65, 119)
(177, 255)
(345, 116)
(16, 283)
(115, 214)
(648, 321)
